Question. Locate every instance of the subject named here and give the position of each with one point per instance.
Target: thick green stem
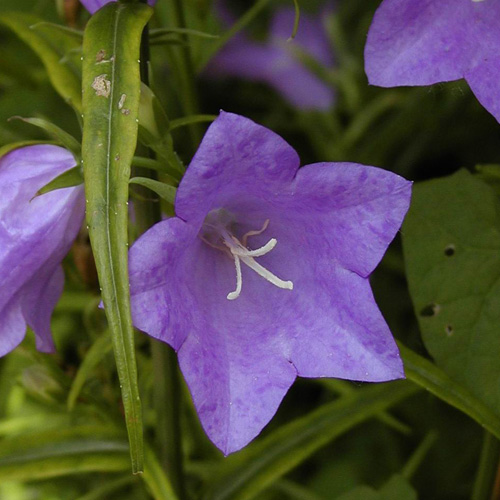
(167, 398)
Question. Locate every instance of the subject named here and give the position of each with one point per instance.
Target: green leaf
(397, 488)
(46, 454)
(163, 190)
(155, 478)
(424, 373)
(111, 92)
(156, 34)
(451, 240)
(58, 134)
(250, 471)
(489, 174)
(109, 487)
(48, 28)
(188, 120)
(64, 75)
(100, 348)
(70, 178)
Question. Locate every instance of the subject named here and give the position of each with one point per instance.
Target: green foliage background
(62, 430)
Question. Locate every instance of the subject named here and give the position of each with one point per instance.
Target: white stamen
(240, 253)
(254, 233)
(268, 275)
(254, 253)
(239, 281)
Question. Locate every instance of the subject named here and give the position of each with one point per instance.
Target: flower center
(216, 234)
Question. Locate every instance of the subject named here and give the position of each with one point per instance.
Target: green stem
(487, 469)
(173, 13)
(419, 454)
(240, 24)
(167, 399)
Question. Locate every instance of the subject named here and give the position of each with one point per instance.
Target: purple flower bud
(277, 63)
(94, 5)
(36, 232)
(263, 275)
(421, 43)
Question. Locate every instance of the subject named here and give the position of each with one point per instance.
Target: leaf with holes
(451, 240)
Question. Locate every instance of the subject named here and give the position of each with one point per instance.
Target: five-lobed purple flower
(277, 63)
(421, 43)
(94, 5)
(263, 275)
(36, 232)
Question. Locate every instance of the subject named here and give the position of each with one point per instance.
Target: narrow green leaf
(239, 25)
(188, 120)
(424, 373)
(100, 348)
(47, 28)
(111, 92)
(295, 20)
(343, 387)
(58, 134)
(452, 257)
(155, 478)
(110, 487)
(397, 488)
(250, 471)
(48, 454)
(64, 76)
(162, 32)
(163, 190)
(487, 469)
(70, 178)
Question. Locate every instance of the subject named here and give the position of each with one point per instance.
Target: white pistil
(242, 254)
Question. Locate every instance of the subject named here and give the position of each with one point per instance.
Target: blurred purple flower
(263, 275)
(421, 43)
(35, 235)
(94, 5)
(276, 61)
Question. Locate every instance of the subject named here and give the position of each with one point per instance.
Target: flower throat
(216, 233)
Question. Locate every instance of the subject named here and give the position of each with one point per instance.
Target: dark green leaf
(451, 240)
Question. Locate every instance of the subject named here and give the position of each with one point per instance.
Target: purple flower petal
(254, 161)
(420, 43)
(303, 304)
(276, 64)
(94, 5)
(35, 235)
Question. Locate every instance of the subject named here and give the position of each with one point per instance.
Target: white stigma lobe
(240, 253)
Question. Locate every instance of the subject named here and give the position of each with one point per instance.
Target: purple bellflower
(263, 275)
(421, 43)
(276, 61)
(94, 5)
(36, 232)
